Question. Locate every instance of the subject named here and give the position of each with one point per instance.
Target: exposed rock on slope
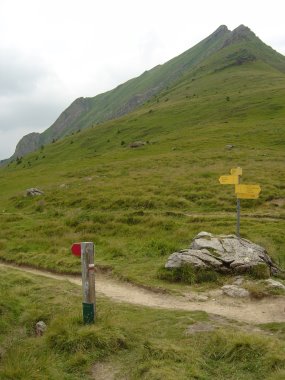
(72, 113)
(27, 144)
(225, 254)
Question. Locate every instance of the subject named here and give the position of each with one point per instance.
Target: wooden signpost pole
(88, 282)
(86, 252)
(238, 213)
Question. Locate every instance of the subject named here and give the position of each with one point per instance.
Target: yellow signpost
(228, 180)
(236, 171)
(247, 196)
(242, 191)
(252, 191)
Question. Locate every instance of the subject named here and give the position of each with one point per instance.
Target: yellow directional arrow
(247, 195)
(236, 171)
(247, 189)
(228, 180)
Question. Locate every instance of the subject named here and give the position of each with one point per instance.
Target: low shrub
(260, 271)
(187, 274)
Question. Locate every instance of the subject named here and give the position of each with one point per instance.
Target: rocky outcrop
(241, 33)
(27, 144)
(224, 254)
(66, 122)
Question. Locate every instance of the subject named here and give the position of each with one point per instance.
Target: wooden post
(238, 213)
(238, 217)
(88, 282)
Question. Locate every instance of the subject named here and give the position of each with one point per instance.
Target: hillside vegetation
(140, 204)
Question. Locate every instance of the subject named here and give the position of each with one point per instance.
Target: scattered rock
(224, 254)
(137, 144)
(238, 280)
(32, 192)
(279, 202)
(274, 284)
(40, 328)
(235, 291)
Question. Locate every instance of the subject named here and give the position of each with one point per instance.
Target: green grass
(155, 342)
(188, 275)
(140, 205)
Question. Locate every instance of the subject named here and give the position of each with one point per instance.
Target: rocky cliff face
(33, 141)
(27, 144)
(67, 117)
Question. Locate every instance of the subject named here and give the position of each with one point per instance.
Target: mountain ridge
(85, 112)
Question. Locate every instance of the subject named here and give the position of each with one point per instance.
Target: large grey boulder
(223, 253)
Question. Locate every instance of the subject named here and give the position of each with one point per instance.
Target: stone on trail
(235, 291)
(224, 254)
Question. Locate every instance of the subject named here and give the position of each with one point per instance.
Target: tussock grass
(153, 341)
(188, 275)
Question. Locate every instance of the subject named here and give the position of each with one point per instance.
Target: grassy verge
(155, 342)
(134, 244)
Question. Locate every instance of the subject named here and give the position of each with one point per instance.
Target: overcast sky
(54, 51)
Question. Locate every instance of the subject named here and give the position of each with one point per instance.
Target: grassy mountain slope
(84, 112)
(131, 94)
(140, 205)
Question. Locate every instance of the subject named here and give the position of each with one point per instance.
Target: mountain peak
(222, 29)
(241, 33)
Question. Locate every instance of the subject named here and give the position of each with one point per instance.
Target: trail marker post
(86, 251)
(242, 191)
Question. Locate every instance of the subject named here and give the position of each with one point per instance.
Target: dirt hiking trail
(244, 310)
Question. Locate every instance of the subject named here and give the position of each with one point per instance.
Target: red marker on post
(76, 249)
